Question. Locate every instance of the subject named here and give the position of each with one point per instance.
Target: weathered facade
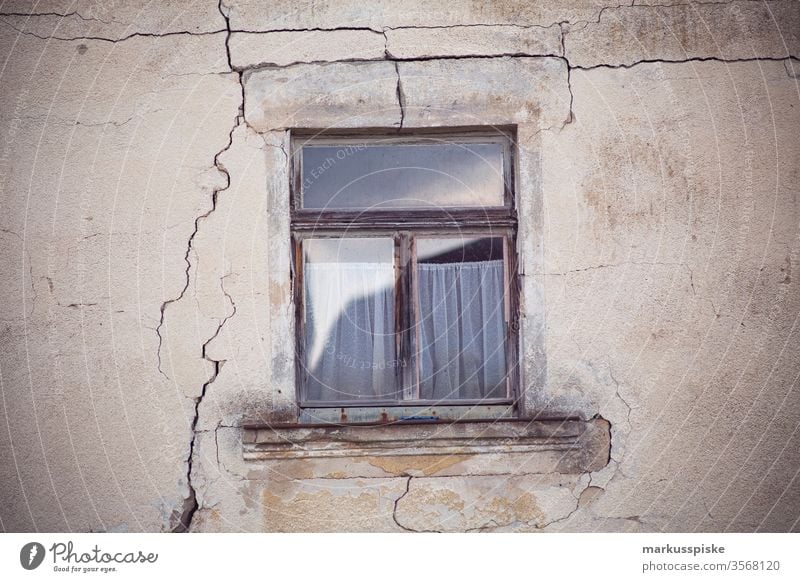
(146, 319)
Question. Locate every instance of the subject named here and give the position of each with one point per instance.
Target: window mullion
(405, 303)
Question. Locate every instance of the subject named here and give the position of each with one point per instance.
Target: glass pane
(460, 289)
(430, 175)
(349, 319)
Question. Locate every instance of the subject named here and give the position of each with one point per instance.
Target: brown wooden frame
(404, 224)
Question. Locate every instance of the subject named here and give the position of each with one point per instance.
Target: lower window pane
(349, 319)
(460, 286)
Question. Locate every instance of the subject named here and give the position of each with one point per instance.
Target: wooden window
(405, 267)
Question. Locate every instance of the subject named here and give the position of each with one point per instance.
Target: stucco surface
(145, 299)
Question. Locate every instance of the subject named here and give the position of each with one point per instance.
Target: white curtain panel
(462, 330)
(350, 331)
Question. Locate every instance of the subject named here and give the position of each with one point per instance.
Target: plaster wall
(145, 297)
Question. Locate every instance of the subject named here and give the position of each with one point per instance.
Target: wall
(146, 296)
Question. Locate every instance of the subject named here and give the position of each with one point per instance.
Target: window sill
(577, 446)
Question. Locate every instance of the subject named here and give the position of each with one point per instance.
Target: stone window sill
(573, 446)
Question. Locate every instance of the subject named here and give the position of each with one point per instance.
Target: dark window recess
(405, 269)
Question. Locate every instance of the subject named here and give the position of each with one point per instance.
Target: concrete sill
(574, 446)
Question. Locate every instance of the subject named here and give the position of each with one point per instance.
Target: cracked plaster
(596, 75)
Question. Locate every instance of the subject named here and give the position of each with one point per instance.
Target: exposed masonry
(190, 504)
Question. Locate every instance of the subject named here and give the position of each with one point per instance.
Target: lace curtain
(350, 333)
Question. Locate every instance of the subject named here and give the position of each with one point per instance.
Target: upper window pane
(421, 175)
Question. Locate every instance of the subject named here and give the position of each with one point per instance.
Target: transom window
(404, 269)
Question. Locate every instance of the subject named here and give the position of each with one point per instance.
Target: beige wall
(145, 301)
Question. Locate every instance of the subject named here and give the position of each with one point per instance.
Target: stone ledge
(571, 446)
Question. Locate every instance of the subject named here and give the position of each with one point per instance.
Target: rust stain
(421, 464)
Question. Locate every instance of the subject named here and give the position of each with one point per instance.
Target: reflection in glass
(349, 319)
(429, 175)
(460, 287)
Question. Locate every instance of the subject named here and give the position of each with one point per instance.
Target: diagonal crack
(401, 98)
(396, 501)
(190, 504)
(214, 195)
(190, 243)
(394, 512)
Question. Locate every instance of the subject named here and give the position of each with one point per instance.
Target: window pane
(430, 175)
(462, 336)
(349, 319)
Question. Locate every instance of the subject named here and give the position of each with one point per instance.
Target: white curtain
(462, 331)
(350, 344)
(350, 331)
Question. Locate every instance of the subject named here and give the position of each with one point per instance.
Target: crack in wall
(603, 9)
(392, 59)
(401, 98)
(570, 115)
(57, 14)
(580, 503)
(111, 40)
(683, 61)
(406, 528)
(586, 23)
(494, 524)
(396, 501)
(382, 30)
(621, 399)
(564, 27)
(214, 195)
(472, 25)
(617, 265)
(190, 504)
(511, 55)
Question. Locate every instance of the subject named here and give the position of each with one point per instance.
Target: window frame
(403, 224)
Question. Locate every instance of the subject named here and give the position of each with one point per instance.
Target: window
(405, 272)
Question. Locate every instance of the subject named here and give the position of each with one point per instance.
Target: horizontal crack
(112, 40)
(617, 265)
(570, 66)
(680, 61)
(57, 14)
